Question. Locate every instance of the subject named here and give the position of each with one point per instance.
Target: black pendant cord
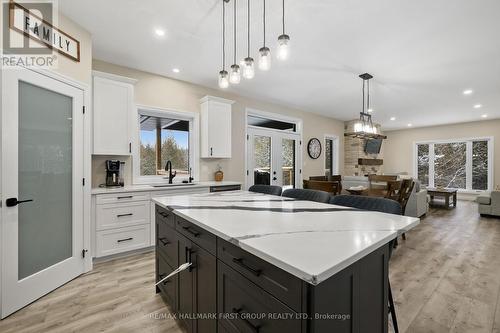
(234, 31)
(364, 96)
(264, 20)
(368, 98)
(248, 28)
(283, 17)
(223, 34)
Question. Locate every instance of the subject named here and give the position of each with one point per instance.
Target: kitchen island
(272, 264)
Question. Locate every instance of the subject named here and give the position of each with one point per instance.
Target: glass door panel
(262, 148)
(45, 176)
(288, 160)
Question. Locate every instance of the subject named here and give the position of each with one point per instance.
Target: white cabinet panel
(122, 197)
(123, 239)
(113, 106)
(215, 127)
(122, 215)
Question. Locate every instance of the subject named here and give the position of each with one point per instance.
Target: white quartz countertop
(310, 240)
(150, 188)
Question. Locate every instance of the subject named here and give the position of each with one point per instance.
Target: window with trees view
(163, 139)
(460, 164)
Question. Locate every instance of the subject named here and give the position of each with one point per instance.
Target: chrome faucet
(168, 167)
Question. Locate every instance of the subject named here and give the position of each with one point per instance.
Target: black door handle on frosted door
(12, 202)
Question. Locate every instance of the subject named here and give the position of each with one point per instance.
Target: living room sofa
(489, 203)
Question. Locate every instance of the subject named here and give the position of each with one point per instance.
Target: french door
(42, 193)
(273, 158)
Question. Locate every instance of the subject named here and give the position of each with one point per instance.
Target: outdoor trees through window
(461, 164)
(162, 140)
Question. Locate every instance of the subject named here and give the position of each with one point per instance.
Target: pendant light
(234, 75)
(364, 128)
(223, 75)
(247, 64)
(283, 41)
(264, 52)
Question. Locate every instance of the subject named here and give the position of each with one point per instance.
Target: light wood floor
(445, 278)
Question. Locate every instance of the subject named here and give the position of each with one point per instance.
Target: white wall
(398, 148)
(163, 92)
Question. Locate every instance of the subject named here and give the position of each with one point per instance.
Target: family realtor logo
(30, 37)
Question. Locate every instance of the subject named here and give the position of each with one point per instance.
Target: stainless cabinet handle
(123, 215)
(126, 197)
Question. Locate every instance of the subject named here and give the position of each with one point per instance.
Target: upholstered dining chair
(404, 195)
(379, 205)
(266, 189)
(308, 195)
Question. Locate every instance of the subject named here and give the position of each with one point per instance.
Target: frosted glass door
(45, 174)
(42, 171)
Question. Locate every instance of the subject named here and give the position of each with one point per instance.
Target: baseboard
(123, 254)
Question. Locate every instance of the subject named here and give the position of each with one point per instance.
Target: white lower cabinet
(125, 221)
(114, 241)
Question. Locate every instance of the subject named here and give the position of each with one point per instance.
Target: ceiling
(423, 54)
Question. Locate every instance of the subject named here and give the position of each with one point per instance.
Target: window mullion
(431, 165)
(468, 166)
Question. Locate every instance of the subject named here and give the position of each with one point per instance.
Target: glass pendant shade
(235, 74)
(264, 59)
(223, 79)
(247, 66)
(283, 47)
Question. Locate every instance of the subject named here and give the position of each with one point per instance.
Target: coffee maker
(113, 173)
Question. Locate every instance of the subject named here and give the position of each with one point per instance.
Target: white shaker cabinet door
(113, 103)
(215, 127)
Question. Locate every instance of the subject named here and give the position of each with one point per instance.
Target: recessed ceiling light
(160, 32)
(484, 116)
(176, 70)
(478, 106)
(410, 125)
(393, 118)
(468, 92)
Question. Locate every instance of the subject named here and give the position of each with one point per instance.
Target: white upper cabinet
(113, 108)
(215, 127)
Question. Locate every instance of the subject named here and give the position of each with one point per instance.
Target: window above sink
(162, 135)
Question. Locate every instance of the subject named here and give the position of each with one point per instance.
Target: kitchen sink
(173, 185)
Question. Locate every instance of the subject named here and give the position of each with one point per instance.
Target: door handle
(12, 202)
(274, 178)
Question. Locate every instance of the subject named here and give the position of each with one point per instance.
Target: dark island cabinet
(228, 290)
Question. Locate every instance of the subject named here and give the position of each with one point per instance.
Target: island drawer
(165, 216)
(246, 308)
(197, 235)
(169, 287)
(166, 242)
(274, 280)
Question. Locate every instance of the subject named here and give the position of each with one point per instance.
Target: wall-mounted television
(373, 146)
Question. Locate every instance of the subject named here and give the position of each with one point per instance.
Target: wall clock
(314, 148)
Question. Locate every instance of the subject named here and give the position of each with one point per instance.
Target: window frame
(468, 166)
(193, 119)
(335, 153)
